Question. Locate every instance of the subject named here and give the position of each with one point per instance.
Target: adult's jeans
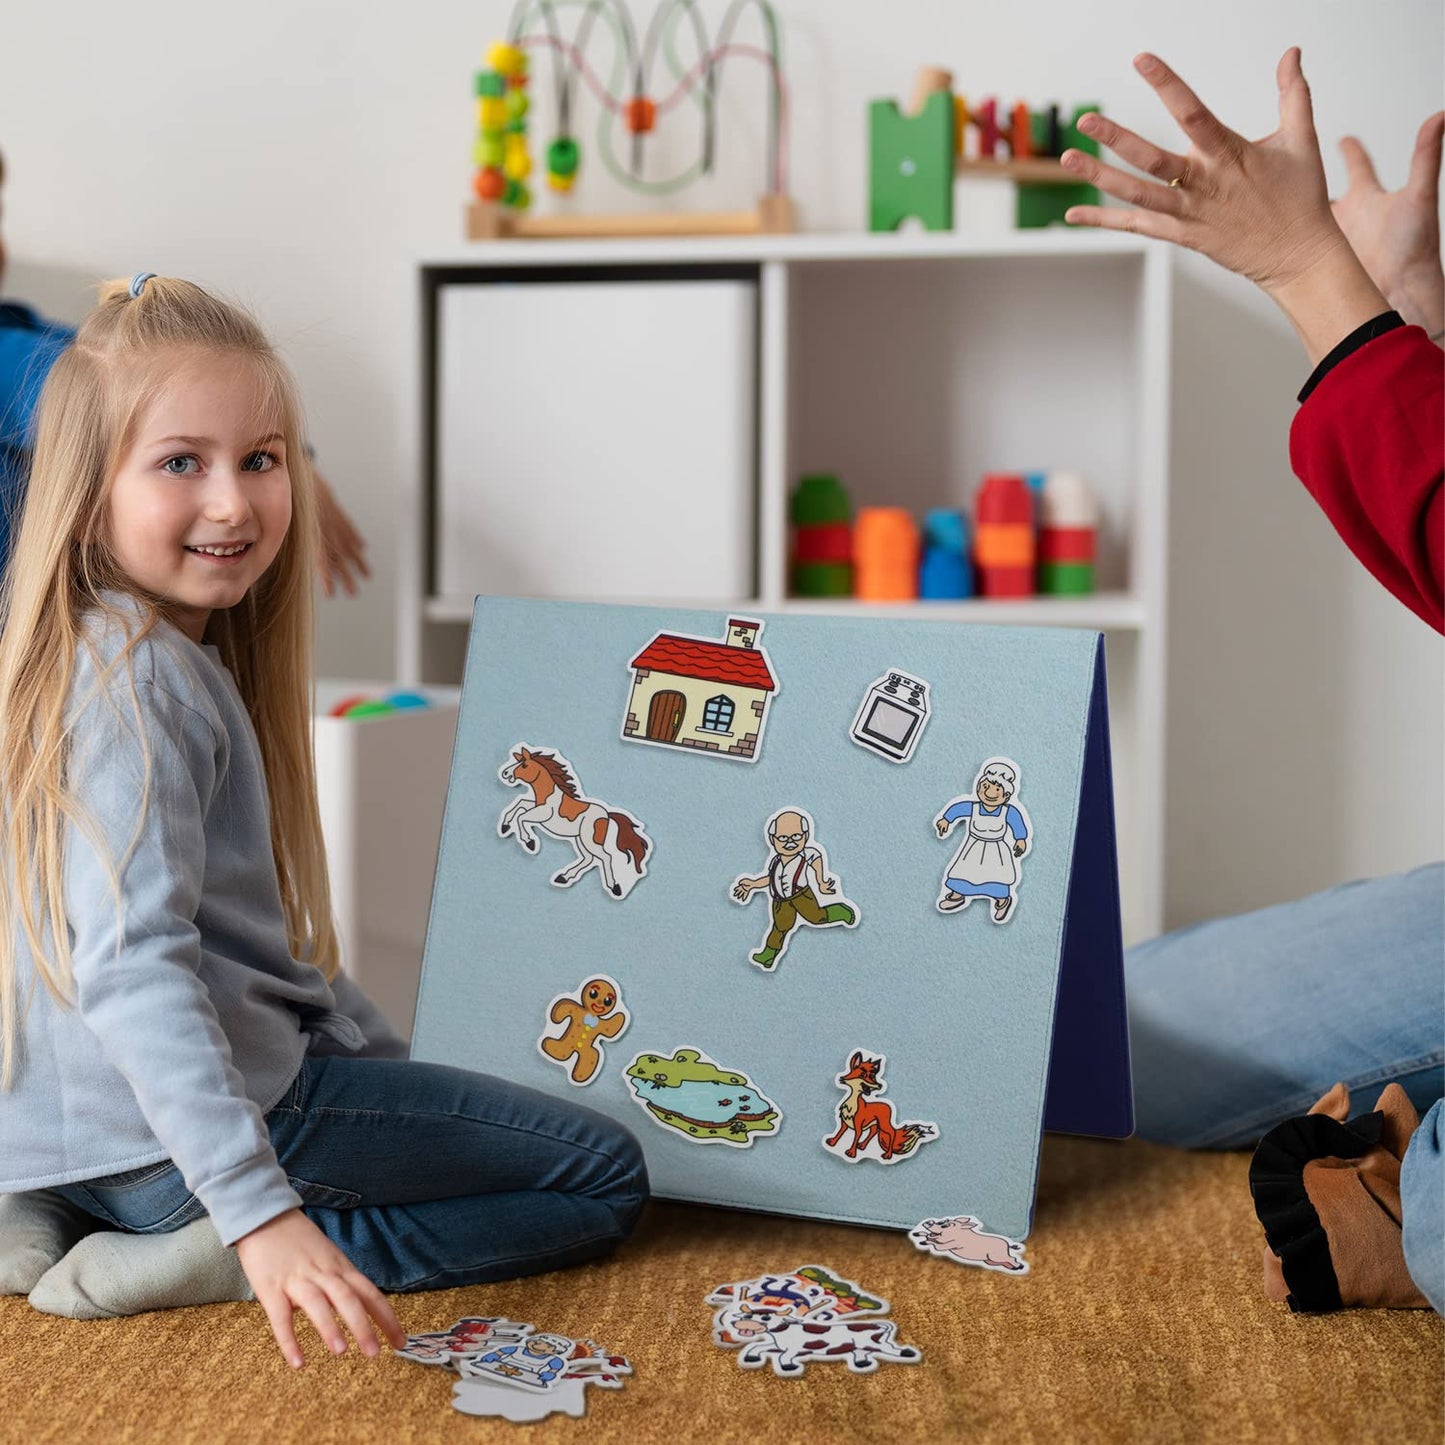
(425, 1176)
(1239, 1023)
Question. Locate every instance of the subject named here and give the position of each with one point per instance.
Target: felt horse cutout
(603, 837)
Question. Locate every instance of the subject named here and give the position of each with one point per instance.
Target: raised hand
(341, 554)
(1260, 208)
(1396, 234)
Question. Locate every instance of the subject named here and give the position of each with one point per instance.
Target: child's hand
(342, 548)
(292, 1265)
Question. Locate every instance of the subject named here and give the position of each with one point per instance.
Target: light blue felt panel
(962, 1008)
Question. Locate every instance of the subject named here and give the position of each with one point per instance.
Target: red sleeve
(1369, 443)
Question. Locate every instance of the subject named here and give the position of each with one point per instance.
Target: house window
(717, 714)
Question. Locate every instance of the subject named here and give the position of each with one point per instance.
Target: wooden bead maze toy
(502, 156)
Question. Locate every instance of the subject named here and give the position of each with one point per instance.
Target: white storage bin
(382, 786)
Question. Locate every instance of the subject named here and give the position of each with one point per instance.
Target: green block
(910, 164)
(490, 83)
(1045, 205)
(823, 579)
(819, 500)
(1066, 579)
(377, 708)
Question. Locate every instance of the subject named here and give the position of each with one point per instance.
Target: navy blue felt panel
(1089, 1089)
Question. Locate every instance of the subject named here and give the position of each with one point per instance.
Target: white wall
(300, 155)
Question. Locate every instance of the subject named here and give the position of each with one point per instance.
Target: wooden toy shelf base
(1038, 171)
(489, 221)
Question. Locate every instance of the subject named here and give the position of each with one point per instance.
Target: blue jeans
(425, 1176)
(1240, 1023)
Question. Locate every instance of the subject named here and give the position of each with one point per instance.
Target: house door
(664, 717)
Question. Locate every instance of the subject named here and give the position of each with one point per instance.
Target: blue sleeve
(137, 987)
(1016, 824)
(957, 811)
(26, 355)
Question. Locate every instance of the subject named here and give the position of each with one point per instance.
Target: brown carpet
(1142, 1319)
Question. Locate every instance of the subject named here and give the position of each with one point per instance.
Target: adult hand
(1259, 208)
(1396, 234)
(342, 548)
(292, 1265)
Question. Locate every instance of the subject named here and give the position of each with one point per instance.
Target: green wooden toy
(1045, 205)
(819, 499)
(823, 579)
(911, 160)
(1066, 579)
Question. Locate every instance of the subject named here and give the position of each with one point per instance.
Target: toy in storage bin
(381, 781)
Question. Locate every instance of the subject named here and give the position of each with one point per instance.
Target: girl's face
(201, 500)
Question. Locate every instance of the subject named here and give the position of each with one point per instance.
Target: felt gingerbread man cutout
(592, 1014)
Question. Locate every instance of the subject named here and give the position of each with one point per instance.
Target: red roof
(706, 661)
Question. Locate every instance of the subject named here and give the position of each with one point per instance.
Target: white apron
(987, 853)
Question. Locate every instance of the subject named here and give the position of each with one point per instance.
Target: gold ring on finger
(1178, 182)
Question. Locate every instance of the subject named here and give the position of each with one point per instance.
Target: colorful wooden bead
(517, 104)
(517, 196)
(487, 151)
(563, 156)
(560, 184)
(491, 112)
(508, 59)
(489, 184)
(490, 83)
(517, 164)
(640, 114)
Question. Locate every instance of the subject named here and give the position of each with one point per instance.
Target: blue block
(944, 574)
(946, 529)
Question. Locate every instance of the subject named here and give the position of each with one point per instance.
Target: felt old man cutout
(796, 874)
(987, 863)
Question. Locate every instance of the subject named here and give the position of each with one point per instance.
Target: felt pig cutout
(963, 1239)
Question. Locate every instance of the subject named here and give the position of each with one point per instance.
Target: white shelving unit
(909, 365)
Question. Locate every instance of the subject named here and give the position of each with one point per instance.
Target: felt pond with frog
(690, 1094)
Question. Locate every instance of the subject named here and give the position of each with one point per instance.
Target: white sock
(36, 1230)
(112, 1273)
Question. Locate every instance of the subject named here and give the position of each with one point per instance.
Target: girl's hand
(1258, 208)
(1396, 234)
(292, 1265)
(343, 548)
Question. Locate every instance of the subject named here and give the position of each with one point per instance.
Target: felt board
(989, 1030)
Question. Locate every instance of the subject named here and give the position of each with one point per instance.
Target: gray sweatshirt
(191, 1016)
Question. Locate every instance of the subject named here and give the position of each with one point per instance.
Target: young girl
(175, 1039)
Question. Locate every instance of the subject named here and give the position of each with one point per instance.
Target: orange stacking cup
(885, 555)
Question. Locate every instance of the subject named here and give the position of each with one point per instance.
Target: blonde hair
(61, 566)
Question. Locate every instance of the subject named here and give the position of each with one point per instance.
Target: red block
(831, 542)
(1066, 544)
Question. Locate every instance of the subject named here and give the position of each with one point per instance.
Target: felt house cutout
(693, 692)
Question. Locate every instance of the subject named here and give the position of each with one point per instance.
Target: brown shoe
(1327, 1190)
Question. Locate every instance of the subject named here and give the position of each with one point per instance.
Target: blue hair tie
(138, 282)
